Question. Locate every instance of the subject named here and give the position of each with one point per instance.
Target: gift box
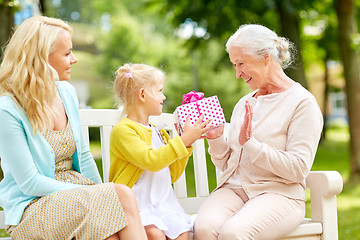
(194, 104)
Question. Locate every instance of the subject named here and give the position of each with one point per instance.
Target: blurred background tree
(7, 10)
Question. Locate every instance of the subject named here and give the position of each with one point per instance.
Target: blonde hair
(25, 72)
(260, 40)
(130, 78)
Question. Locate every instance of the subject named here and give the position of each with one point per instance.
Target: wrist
(187, 142)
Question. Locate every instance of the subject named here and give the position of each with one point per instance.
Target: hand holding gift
(193, 132)
(194, 105)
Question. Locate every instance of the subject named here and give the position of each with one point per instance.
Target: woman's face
(62, 58)
(251, 69)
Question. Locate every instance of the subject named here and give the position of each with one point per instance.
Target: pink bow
(192, 97)
(128, 75)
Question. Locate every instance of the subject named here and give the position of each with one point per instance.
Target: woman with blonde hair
(51, 187)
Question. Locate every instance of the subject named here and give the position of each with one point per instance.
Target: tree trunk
(42, 7)
(7, 23)
(289, 22)
(326, 95)
(347, 27)
(6, 26)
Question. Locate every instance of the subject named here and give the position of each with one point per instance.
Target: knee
(153, 233)
(205, 228)
(127, 198)
(230, 234)
(124, 191)
(239, 232)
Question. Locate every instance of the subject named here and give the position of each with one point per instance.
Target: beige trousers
(228, 214)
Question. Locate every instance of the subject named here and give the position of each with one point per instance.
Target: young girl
(145, 158)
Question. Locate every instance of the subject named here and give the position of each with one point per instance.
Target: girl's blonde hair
(25, 72)
(130, 78)
(260, 41)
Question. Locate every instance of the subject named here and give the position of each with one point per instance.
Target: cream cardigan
(286, 129)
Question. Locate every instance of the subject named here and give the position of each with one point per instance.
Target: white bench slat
(308, 227)
(105, 150)
(201, 177)
(323, 185)
(2, 219)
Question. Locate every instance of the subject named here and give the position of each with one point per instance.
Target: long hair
(25, 72)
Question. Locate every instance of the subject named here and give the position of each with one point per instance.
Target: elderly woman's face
(248, 67)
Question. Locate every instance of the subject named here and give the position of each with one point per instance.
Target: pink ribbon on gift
(192, 97)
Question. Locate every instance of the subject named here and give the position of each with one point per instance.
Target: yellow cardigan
(131, 153)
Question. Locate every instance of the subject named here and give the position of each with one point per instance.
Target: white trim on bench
(323, 185)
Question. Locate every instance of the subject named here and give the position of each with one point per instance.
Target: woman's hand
(193, 132)
(215, 132)
(245, 130)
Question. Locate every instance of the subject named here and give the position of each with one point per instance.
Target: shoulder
(68, 94)
(126, 126)
(8, 105)
(299, 91)
(66, 89)
(65, 86)
(6, 102)
(127, 132)
(301, 95)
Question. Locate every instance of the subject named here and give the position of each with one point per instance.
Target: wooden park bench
(323, 185)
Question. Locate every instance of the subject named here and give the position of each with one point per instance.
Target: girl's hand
(193, 132)
(245, 130)
(216, 132)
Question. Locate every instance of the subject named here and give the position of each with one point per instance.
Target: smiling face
(251, 69)
(62, 58)
(155, 99)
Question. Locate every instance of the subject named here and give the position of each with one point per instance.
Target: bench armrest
(324, 186)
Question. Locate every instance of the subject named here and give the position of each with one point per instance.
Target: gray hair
(261, 41)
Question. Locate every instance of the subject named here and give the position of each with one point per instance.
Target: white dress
(156, 199)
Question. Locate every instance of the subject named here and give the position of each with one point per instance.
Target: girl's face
(154, 99)
(62, 58)
(251, 69)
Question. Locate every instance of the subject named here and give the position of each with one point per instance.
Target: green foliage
(143, 37)
(122, 45)
(14, 5)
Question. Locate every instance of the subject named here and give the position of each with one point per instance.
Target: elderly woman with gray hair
(274, 134)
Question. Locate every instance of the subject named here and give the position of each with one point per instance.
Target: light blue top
(28, 161)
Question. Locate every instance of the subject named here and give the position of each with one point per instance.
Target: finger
(250, 115)
(250, 122)
(199, 120)
(187, 120)
(207, 128)
(204, 124)
(176, 128)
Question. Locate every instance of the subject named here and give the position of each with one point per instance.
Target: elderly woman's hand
(215, 132)
(245, 131)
